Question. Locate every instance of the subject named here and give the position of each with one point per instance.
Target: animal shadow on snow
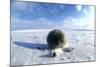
(39, 47)
(32, 45)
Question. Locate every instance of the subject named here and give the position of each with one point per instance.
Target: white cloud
(79, 7)
(89, 11)
(83, 22)
(85, 12)
(43, 23)
(86, 22)
(40, 23)
(90, 16)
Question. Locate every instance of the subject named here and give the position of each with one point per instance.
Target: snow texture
(29, 47)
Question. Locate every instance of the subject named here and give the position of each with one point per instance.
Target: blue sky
(34, 15)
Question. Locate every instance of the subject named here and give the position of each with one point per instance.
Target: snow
(29, 47)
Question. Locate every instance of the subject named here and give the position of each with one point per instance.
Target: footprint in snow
(68, 49)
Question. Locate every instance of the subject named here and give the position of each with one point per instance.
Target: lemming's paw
(54, 54)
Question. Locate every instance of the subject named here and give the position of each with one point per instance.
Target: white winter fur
(59, 51)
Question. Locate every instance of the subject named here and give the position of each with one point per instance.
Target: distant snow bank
(33, 30)
(47, 30)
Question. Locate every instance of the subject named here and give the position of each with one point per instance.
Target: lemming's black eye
(61, 40)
